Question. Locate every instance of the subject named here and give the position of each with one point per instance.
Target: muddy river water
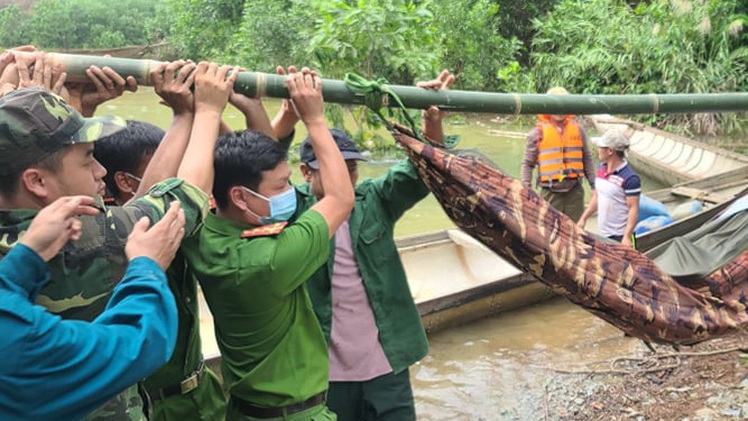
(501, 368)
(493, 369)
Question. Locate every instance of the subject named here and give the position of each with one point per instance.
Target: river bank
(556, 362)
(708, 381)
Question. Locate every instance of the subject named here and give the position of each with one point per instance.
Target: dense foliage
(198, 29)
(588, 46)
(77, 24)
(664, 47)
(270, 34)
(472, 43)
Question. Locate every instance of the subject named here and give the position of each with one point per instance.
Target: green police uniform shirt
(272, 348)
(86, 271)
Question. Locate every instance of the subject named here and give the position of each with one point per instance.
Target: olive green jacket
(380, 202)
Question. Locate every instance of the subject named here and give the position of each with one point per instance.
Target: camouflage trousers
(127, 406)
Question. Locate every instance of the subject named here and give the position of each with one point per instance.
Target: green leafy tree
(473, 48)
(14, 26)
(89, 23)
(198, 29)
(390, 39)
(271, 33)
(394, 39)
(663, 47)
(516, 21)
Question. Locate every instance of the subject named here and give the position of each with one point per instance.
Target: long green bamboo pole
(265, 84)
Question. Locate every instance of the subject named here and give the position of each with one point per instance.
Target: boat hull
(667, 157)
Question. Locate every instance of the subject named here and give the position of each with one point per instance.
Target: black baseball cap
(346, 145)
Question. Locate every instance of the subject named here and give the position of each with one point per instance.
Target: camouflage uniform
(85, 272)
(35, 123)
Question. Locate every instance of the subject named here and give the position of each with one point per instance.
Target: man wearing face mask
(125, 155)
(252, 265)
(184, 388)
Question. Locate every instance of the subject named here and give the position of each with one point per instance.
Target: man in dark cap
(373, 330)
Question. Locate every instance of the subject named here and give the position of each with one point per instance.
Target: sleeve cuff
(286, 141)
(143, 269)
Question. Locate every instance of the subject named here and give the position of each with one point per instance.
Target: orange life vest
(560, 155)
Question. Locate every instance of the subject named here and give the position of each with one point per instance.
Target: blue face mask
(282, 206)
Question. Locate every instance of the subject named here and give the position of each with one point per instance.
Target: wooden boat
(153, 51)
(716, 193)
(668, 157)
(455, 279)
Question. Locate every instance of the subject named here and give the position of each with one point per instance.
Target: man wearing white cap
(618, 187)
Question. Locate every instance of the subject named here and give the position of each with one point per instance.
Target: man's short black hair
(240, 159)
(53, 162)
(125, 150)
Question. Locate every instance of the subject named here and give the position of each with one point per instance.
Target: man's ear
(237, 197)
(123, 183)
(36, 181)
(306, 172)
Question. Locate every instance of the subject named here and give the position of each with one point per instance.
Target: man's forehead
(80, 149)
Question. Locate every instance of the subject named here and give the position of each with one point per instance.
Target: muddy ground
(708, 381)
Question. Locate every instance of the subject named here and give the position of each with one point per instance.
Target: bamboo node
(261, 85)
(656, 105)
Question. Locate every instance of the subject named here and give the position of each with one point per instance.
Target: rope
(517, 106)
(376, 95)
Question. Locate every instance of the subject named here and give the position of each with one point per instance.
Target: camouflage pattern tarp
(617, 283)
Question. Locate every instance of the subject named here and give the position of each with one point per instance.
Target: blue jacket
(62, 370)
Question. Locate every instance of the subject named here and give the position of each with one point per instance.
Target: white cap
(612, 139)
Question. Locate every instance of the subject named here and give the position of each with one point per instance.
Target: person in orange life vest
(558, 147)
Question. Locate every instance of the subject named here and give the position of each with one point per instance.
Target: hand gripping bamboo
(272, 85)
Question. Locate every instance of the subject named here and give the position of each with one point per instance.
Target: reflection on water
(497, 368)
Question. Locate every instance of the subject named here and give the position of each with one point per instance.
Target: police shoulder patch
(264, 231)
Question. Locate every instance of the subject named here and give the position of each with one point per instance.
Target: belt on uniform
(247, 408)
(187, 385)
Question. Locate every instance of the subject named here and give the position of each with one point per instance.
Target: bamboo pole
(272, 85)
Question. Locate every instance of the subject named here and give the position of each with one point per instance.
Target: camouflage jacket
(85, 272)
